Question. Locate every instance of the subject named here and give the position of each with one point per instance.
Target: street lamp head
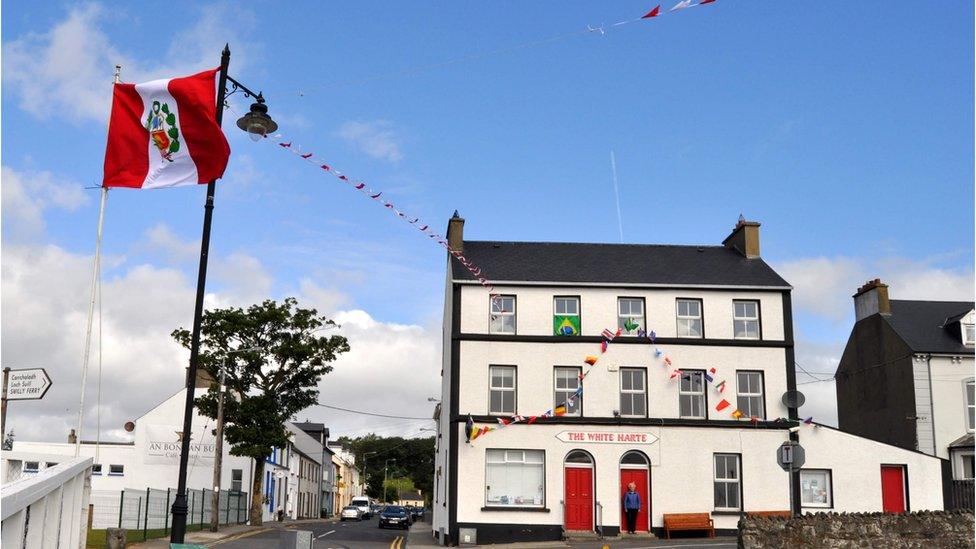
(257, 123)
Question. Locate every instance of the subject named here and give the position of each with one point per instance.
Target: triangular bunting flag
(722, 404)
(654, 12)
(737, 414)
(591, 360)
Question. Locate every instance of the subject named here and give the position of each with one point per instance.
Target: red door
(638, 477)
(892, 489)
(579, 498)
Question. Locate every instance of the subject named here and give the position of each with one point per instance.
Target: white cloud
(824, 285)
(66, 71)
(26, 196)
(375, 138)
(161, 238)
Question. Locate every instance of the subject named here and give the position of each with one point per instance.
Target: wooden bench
(688, 521)
(769, 514)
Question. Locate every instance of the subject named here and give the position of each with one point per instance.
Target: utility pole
(385, 467)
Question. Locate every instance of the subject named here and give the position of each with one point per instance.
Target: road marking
(326, 534)
(396, 543)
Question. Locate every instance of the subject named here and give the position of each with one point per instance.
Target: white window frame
(120, 473)
(968, 334)
(825, 475)
(629, 392)
(28, 469)
(560, 394)
(969, 396)
(737, 481)
(745, 405)
(623, 318)
(523, 457)
(961, 460)
(498, 310)
(692, 393)
(746, 319)
(513, 389)
(567, 299)
(96, 469)
(688, 318)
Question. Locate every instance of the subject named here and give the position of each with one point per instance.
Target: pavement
(421, 537)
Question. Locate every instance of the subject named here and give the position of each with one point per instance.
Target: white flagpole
(96, 269)
(616, 194)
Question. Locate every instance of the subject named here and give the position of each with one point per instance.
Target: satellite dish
(129, 426)
(793, 399)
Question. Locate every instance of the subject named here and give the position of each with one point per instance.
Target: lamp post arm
(237, 86)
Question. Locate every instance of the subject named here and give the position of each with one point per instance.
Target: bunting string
(601, 29)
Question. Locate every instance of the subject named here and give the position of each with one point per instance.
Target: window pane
(626, 407)
(971, 393)
(508, 402)
(721, 501)
(638, 404)
(814, 488)
(733, 494)
(684, 406)
(496, 402)
(968, 466)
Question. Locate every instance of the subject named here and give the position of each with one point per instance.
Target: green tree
(414, 460)
(268, 384)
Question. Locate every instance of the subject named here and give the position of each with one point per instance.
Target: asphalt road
(327, 534)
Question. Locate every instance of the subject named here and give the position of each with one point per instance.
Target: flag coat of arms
(164, 133)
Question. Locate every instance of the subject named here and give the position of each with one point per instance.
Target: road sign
(791, 456)
(28, 384)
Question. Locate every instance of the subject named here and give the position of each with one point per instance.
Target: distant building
(320, 433)
(347, 475)
(305, 474)
(412, 497)
(906, 375)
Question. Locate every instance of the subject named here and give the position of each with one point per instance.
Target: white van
(364, 505)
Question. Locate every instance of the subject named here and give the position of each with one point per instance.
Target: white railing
(49, 509)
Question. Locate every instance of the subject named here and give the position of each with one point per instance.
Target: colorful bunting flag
(652, 336)
(808, 421)
(654, 12)
(630, 325)
(737, 414)
(603, 346)
(676, 373)
(709, 374)
(722, 404)
(559, 410)
(681, 5)
(469, 428)
(658, 352)
(591, 360)
(641, 332)
(720, 386)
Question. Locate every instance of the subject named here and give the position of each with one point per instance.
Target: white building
(152, 458)
(906, 376)
(718, 307)
(305, 474)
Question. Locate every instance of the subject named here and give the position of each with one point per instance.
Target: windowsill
(727, 512)
(116, 474)
(816, 507)
(518, 509)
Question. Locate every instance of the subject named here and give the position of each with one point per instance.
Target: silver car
(351, 512)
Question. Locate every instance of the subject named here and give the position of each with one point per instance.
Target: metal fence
(139, 511)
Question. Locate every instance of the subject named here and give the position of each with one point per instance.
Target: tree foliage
(274, 379)
(414, 461)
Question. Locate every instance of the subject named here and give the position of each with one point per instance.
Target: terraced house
(718, 313)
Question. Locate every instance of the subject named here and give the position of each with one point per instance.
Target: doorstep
(580, 535)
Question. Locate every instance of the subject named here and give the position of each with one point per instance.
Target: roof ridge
(934, 301)
(595, 244)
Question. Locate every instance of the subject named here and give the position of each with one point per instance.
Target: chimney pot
(744, 238)
(455, 232)
(871, 298)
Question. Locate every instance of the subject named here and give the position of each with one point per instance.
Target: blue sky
(845, 128)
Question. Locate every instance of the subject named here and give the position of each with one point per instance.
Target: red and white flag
(164, 133)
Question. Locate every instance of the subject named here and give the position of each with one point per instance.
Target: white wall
(949, 400)
(601, 388)
(598, 309)
(681, 471)
(856, 470)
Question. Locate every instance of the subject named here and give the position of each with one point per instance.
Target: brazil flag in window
(566, 325)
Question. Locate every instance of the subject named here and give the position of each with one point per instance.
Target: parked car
(364, 505)
(351, 512)
(375, 509)
(417, 512)
(395, 516)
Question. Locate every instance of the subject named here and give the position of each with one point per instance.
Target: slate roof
(965, 441)
(927, 327)
(615, 264)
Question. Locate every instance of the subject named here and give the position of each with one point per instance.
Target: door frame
(592, 467)
(904, 481)
(621, 467)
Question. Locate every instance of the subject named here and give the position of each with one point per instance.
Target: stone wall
(921, 530)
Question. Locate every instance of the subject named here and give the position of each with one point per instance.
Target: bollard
(115, 538)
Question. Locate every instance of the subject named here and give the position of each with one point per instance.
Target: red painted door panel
(579, 498)
(638, 477)
(893, 489)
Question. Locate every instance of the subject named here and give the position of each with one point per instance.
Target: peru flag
(164, 133)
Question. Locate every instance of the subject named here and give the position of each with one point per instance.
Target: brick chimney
(72, 437)
(455, 232)
(744, 238)
(871, 298)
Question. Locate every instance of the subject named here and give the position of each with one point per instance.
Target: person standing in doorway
(632, 505)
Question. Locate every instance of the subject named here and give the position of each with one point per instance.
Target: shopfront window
(514, 478)
(815, 488)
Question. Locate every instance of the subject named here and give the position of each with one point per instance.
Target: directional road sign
(27, 384)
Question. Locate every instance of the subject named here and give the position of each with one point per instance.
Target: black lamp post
(258, 124)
